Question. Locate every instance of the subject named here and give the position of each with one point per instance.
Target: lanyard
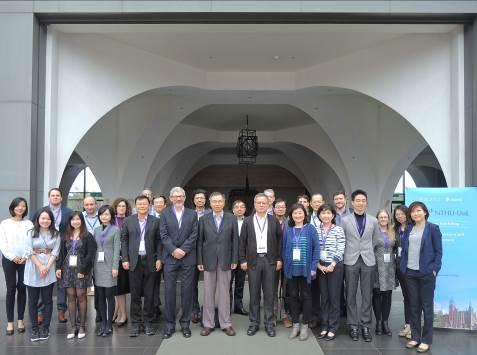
(324, 235)
(261, 228)
(142, 228)
(297, 236)
(73, 245)
(118, 221)
(401, 235)
(362, 227)
(103, 235)
(385, 239)
(89, 224)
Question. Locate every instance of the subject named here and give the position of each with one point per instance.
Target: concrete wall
(375, 110)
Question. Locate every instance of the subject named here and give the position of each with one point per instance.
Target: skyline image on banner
(454, 210)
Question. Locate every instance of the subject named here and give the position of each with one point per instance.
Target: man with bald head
(90, 213)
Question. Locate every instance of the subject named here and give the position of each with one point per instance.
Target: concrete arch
(94, 60)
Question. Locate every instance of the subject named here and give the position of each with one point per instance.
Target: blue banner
(455, 211)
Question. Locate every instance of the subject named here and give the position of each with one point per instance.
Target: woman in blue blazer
(421, 257)
(301, 255)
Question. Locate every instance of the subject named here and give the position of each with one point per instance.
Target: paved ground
(445, 341)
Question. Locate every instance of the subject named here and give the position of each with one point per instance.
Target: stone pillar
(21, 111)
(470, 52)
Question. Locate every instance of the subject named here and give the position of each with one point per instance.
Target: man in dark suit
(238, 275)
(141, 250)
(260, 253)
(61, 215)
(217, 254)
(179, 236)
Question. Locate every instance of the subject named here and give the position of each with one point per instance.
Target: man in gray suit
(362, 232)
(217, 255)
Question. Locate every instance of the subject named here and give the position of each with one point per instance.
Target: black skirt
(123, 281)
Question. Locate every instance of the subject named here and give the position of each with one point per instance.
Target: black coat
(86, 253)
(131, 237)
(248, 241)
(184, 237)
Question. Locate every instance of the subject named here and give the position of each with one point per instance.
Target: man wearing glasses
(179, 236)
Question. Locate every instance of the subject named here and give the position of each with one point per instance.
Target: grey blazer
(357, 245)
(217, 249)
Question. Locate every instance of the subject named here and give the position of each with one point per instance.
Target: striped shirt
(332, 245)
(299, 242)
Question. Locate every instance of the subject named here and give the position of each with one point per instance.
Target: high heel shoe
(121, 324)
(10, 331)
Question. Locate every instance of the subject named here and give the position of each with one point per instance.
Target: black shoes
(386, 329)
(270, 331)
(366, 335)
(186, 332)
(107, 332)
(379, 327)
(195, 318)
(44, 334)
(149, 330)
(330, 337)
(314, 323)
(252, 330)
(134, 331)
(241, 311)
(35, 335)
(353, 333)
(168, 333)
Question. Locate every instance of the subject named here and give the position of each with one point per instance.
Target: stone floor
(445, 341)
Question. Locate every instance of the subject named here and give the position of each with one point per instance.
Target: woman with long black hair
(42, 250)
(73, 267)
(401, 224)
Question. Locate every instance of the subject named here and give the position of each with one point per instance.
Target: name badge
(100, 256)
(387, 258)
(142, 246)
(323, 255)
(296, 254)
(261, 245)
(73, 260)
(399, 251)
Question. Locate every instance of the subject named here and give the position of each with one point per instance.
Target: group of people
(302, 261)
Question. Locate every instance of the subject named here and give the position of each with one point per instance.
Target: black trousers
(330, 290)
(236, 291)
(186, 274)
(106, 304)
(141, 282)
(261, 279)
(14, 282)
(403, 283)
(46, 294)
(195, 299)
(299, 293)
(421, 300)
(316, 299)
(157, 290)
(382, 304)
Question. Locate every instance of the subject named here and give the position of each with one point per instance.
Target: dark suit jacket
(86, 254)
(184, 237)
(217, 248)
(65, 216)
(430, 258)
(131, 237)
(248, 241)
